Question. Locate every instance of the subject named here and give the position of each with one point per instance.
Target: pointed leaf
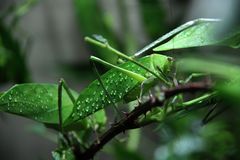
(202, 34)
(229, 89)
(36, 101)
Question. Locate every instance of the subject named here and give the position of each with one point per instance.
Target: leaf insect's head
(162, 63)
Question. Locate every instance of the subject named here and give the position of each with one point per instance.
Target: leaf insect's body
(119, 86)
(43, 107)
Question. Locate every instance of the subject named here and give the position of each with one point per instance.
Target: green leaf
(175, 31)
(233, 40)
(36, 101)
(3, 56)
(65, 154)
(230, 92)
(24, 7)
(121, 152)
(229, 89)
(202, 34)
(221, 69)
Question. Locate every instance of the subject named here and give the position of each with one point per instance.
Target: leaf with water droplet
(203, 33)
(36, 101)
(100, 38)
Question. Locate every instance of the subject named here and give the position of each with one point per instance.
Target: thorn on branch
(129, 121)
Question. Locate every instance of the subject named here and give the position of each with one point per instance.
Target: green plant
(12, 53)
(76, 115)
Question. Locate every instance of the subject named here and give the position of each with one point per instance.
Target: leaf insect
(47, 102)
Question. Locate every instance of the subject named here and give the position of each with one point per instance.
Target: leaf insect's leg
(94, 128)
(62, 84)
(102, 85)
(131, 74)
(178, 97)
(143, 84)
(122, 55)
(193, 75)
(141, 93)
(162, 73)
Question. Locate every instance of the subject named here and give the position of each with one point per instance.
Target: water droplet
(87, 109)
(73, 115)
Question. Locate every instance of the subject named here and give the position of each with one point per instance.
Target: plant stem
(130, 121)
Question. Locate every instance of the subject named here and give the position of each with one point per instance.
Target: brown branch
(129, 122)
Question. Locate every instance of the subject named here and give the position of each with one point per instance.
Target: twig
(129, 122)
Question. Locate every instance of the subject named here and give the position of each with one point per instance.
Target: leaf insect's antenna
(102, 85)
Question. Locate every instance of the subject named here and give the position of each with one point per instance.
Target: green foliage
(149, 10)
(201, 34)
(122, 153)
(63, 155)
(122, 84)
(12, 55)
(36, 101)
(91, 24)
(228, 89)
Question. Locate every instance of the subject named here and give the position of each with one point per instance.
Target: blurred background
(42, 41)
